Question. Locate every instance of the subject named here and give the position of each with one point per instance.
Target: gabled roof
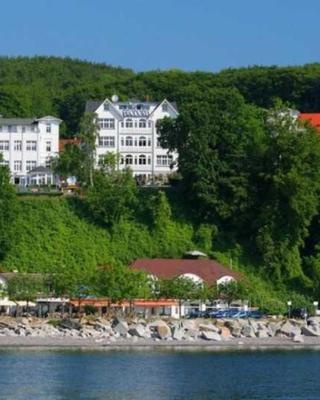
(172, 105)
(49, 118)
(313, 118)
(209, 270)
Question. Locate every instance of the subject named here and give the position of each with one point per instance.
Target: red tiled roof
(313, 118)
(209, 270)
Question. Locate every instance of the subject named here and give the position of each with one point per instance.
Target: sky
(207, 35)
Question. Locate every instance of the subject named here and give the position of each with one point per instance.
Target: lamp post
(289, 303)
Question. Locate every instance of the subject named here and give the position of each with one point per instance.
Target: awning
(25, 303)
(7, 303)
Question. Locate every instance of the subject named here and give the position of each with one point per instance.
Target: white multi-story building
(129, 129)
(27, 144)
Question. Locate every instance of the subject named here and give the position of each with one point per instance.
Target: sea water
(158, 375)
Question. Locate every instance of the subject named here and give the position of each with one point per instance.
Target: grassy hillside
(52, 234)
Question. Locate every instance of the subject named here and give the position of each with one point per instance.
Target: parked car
(197, 314)
(300, 313)
(256, 314)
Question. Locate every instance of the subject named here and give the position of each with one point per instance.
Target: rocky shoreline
(92, 332)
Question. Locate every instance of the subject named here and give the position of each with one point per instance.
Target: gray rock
(208, 328)
(70, 324)
(177, 333)
(262, 333)
(121, 328)
(139, 331)
(248, 331)
(289, 329)
(310, 331)
(208, 335)
(298, 339)
(236, 331)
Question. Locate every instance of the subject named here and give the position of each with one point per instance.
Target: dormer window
(142, 123)
(106, 106)
(48, 128)
(129, 123)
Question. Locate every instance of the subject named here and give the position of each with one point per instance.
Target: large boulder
(208, 328)
(163, 331)
(310, 331)
(70, 324)
(225, 333)
(248, 331)
(138, 331)
(290, 329)
(189, 324)
(262, 333)
(121, 328)
(208, 335)
(177, 333)
(298, 339)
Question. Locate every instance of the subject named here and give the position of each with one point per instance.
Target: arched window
(142, 141)
(142, 123)
(129, 159)
(129, 141)
(129, 123)
(142, 159)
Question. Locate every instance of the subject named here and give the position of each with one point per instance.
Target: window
(106, 123)
(5, 163)
(31, 145)
(0, 128)
(129, 141)
(149, 142)
(101, 159)
(142, 141)
(23, 129)
(17, 145)
(30, 165)
(129, 159)
(12, 128)
(17, 166)
(149, 124)
(48, 128)
(142, 123)
(129, 123)
(149, 160)
(48, 162)
(48, 146)
(106, 141)
(164, 161)
(158, 142)
(106, 107)
(142, 159)
(164, 107)
(4, 144)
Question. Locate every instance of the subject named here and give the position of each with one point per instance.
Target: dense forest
(247, 191)
(61, 86)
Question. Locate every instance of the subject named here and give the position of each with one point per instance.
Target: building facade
(28, 143)
(129, 129)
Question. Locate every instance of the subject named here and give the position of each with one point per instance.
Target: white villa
(129, 129)
(27, 144)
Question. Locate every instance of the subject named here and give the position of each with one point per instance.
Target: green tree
(8, 204)
(113, 195)
(88, 135)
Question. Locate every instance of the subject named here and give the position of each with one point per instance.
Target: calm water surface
(158, 375)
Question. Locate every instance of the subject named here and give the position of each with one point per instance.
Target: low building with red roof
(312, 118)
(199, 270)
